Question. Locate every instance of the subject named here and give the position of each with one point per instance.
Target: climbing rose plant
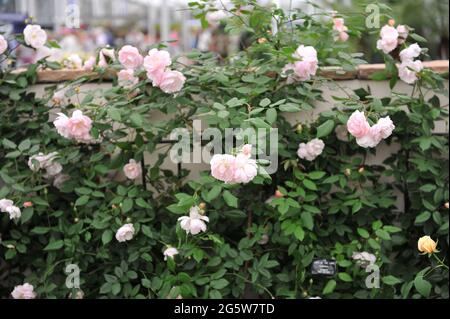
(75, 187)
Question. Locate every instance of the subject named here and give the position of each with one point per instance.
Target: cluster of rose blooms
(309, 151)
(366, 135)
(33, 35)
(390, 39)
(341, 30)
(239, 168)
(156, 64)
(53, 169)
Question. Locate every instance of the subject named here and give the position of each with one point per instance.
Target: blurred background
(82, 26)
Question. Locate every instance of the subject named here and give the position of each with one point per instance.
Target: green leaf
(82, 200)
(107, 236)
(422, 286)
(213, 193)
(219, 284)
(8, 144)
(325, 129)
(423, 217)
(54, 245)
(271, 115)
(307, 220)
(363, 233)
(345, 277)
(127, 205)
(230, 199)
(391, 280)
(329, 287)
(309, 184)
(264, 102)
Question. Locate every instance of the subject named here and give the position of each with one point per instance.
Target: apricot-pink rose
(130, 57)
(308, 64)
(79, 126)
(156, 62)
(357, 124)
(127, 79)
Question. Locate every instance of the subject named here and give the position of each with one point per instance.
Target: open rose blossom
(426, 245)
(34, 36)
(308, 64)
(14, 212)
(127, 79)
(367, 136)
(408, 70)
(124, 233)
(132, 170)
(357, 124)
(195, 222)
(156, 62)
(77, 127)
(310, 150)
(245, 169)
(171, 81)
(3, 45)
(4, 204)
(170, 252)
(222, 167)
(130, 57)
(25, 291)
(388, 39)
(410, 53)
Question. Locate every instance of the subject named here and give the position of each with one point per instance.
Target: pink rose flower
(171, 81)
(389, 39)
(74, 62)
(156, 62)
(124, 233)
(403, 33)
(132, 170)
(4, 204)
(127, 79)
(308, 64)
(222, 167)
(170, 252)
(14, 212)
(195, 222)
(34, 36)
(247, 150)
(311, 150)
(245, 169)
(368, 140)
(25, 291)
(407, 71)
(130, 57)
(3, 45)
(89, 64)
(61, 125)
(341, 29)
(357, 124)
(105, 55)
(410, 53)
(79, 126)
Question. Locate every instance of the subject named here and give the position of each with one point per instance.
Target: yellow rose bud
(426, 245)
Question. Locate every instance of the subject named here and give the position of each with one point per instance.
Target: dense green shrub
(329, 208)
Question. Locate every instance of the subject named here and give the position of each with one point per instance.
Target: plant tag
(326, 267)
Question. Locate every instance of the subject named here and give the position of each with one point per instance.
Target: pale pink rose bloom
(103, 55)
(311, 150)
(357, 124)
(410, 53)
(130, 57)
(14, 212)
(49, 54)
(171, 82)
(403, 33)
(61, 125)
(60, 179)
(222, 167)
(170, 252)
(389, 39)
(4, 204)
(247, 150)
(34, 36)
(308, 64)
(156, 62)
(124, 233)
(79, 126)
(383, 129)
(89, 64)
(407, 71)
(74, 62)
(368, 140)
(127, 79)
(3, 45)
(195, 222)
(25, 291)
(245, 169)
(132, 170)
